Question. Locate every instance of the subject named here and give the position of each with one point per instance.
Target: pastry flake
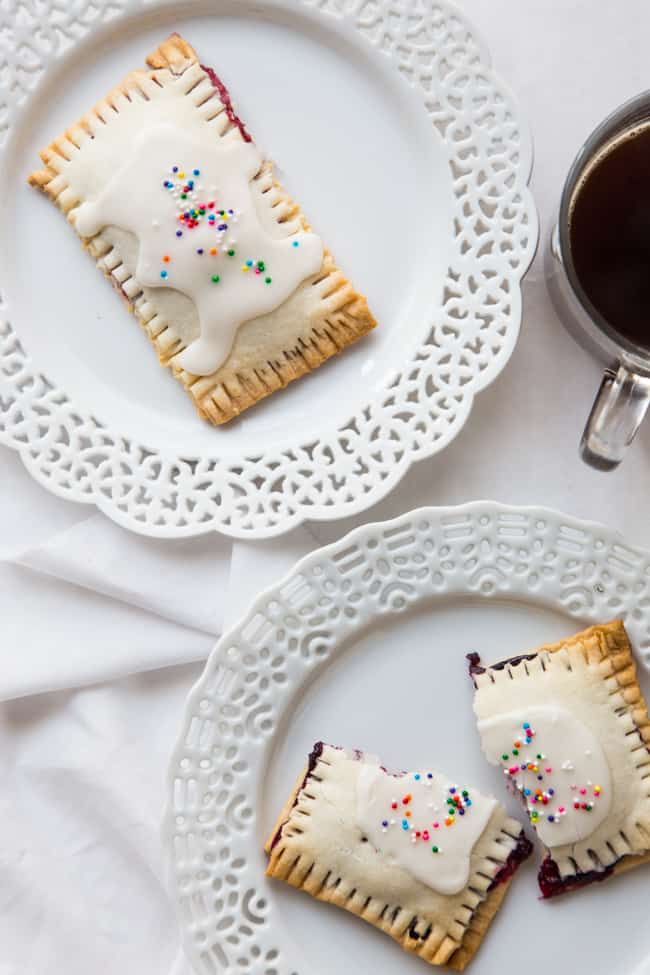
(425, 860)
(568, 725)
(173, 200)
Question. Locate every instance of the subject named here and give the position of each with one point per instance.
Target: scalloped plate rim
(432, 511)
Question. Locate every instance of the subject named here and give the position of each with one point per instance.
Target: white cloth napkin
(82, 600)
(82, 870)
(87, 608)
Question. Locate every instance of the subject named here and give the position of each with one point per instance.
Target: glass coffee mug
(593, 277)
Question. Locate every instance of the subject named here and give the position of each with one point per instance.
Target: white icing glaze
(135, 199)
(573, 766)
(446, 871)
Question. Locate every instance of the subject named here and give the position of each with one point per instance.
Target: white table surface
(81, 869)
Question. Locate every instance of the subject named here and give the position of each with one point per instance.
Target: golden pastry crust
(607, 646)
(452, 930)
(599, 655)
(322, 318)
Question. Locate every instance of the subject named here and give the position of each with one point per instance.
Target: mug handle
(619, 408)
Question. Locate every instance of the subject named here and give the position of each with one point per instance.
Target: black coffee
(610, 235)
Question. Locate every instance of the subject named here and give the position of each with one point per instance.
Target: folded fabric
(57, 635)
(83, 869)
(182, 580)
(83, 600)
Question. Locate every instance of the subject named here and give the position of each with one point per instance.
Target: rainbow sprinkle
(542, 796)
(196, 209)
(457, 803)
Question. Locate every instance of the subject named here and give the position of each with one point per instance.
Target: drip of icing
(568, 791)
(415, 834)
(227, 289)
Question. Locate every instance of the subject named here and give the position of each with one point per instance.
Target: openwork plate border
(467, 341)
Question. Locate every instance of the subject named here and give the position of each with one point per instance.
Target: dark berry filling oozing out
(475, 666)
(224, 95)
(552, 884)
(516, 857)
(315, 754)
